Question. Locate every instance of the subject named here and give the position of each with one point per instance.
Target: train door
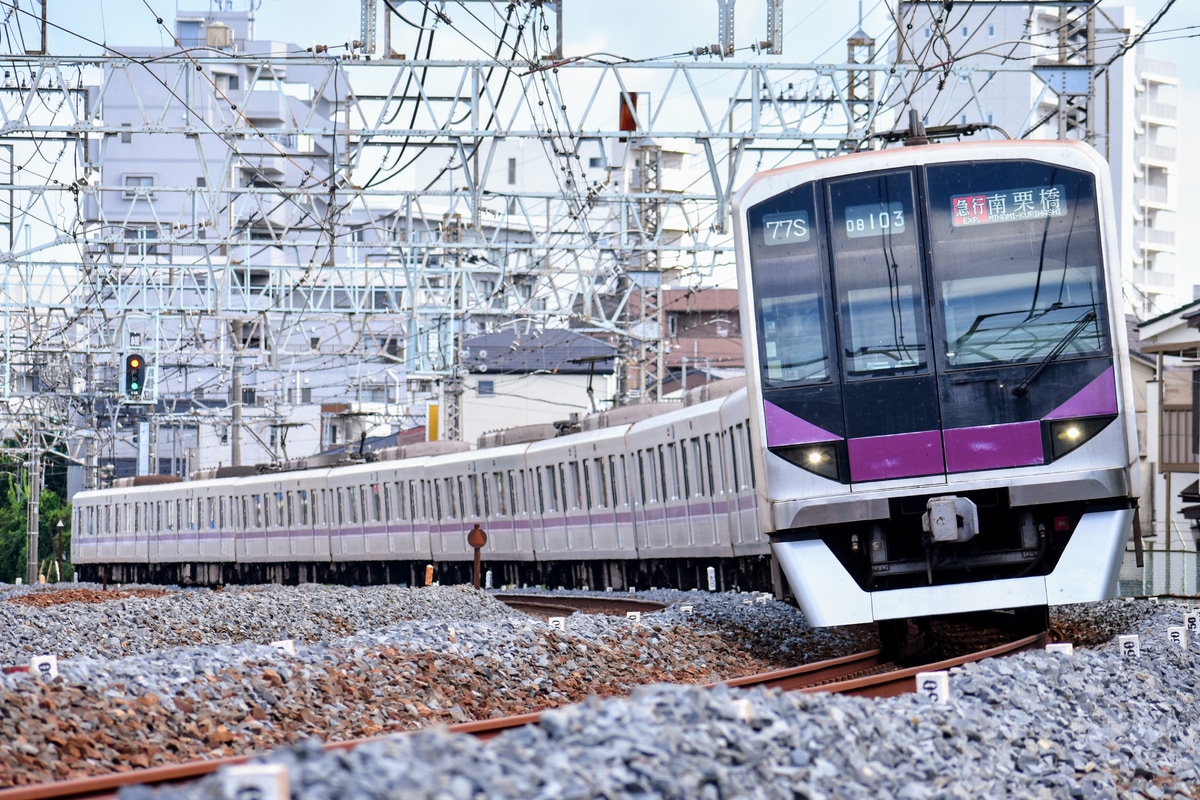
(892, 413)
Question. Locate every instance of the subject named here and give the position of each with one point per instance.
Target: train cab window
(789, 286)
(877, 271)
(1017, 262)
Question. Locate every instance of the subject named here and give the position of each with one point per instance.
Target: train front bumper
(1086, 572)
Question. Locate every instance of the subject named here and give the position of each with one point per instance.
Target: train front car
(938, 379)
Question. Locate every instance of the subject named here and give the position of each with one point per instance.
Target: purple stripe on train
(901, 455)
(1018, 444)
(1096, 399)
(784, 428)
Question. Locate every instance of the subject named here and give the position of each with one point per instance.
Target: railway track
(867, 674)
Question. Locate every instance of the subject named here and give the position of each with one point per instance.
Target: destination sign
(1008, 205)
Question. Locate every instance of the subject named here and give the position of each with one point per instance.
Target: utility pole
(35, 493)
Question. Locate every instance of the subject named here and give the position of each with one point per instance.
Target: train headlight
(1067, 434)
(820, 459)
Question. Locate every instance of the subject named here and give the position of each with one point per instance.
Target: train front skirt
(1086, 572)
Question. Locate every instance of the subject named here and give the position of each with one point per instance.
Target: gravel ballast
(1092, 725)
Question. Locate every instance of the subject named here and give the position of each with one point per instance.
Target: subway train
(940, 395)
(937, 418)
(642, 496)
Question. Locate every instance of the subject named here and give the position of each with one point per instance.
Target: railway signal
(135, 375)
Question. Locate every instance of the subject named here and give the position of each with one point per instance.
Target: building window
(672, 325)
(141, 241)
(512, 171)
(966, 32)
(486, 388)
(306, 394)
(991, 31)
(126, 136)
(928, 32)
(595, 162)
(138, 185)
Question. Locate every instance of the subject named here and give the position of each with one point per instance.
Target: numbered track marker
(1131, 645)
(934, 685)
(256, 782)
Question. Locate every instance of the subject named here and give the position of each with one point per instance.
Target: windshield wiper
(1022, 388)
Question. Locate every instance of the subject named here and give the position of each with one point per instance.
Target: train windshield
(1016, 262)
(877, 267)
(790, 289)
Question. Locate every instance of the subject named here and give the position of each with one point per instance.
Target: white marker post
(1178, 635)
(934, 685)
(558, 622)
(712, 579)
(634, 616)
(1131, 646)
(1191, 621)
(685, 609)
(45, 666)
(1066, 648)
(286, 645)
(256, 782)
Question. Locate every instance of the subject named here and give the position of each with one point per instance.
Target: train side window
(673, 470)
(462, 504)
(376, 502)
(622, 480)
(552, 484)
(437, 500)
(712, 467)
(539, 503)
(662, 476)
(502, 504)
(478, 497)
(280, 514)
(733, 477)
(302, 506)
(587, 484)
(522, 494)
(643, 495)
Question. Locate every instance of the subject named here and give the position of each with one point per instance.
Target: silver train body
(938, 378)
(656, 501)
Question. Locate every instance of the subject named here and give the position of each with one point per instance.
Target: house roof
(555, 350)
(708, 298)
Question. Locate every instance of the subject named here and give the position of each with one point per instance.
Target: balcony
(1161, 111)
(1154, 239)
(1155, 196)
(1148, 67)
(1159, 152)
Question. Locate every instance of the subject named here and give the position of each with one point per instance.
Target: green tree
(14, 536)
